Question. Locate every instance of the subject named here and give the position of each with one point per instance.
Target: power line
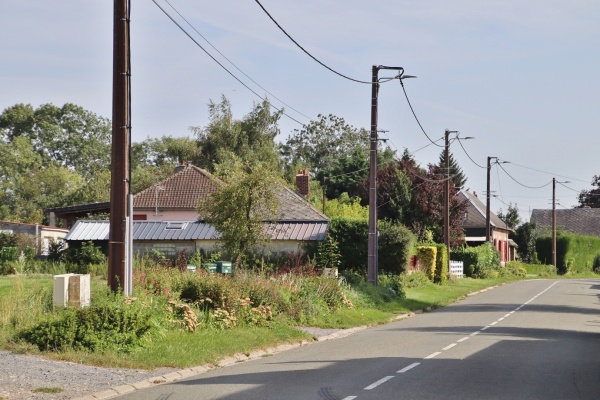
(231, 62)
(415, 115)
(306, 52)
(549, 173)
(220, 64)
(529, 187)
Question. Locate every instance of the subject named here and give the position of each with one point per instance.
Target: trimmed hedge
(426, 256)
(441, 265)
(574, 253)
(396, 243)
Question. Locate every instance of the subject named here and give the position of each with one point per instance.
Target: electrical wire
(415, 115)
(470, 158)
(528, 187)
(306, 52)
(231, 62)
(549, 173)
(220, 64)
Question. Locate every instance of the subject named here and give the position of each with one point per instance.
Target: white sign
(456, 268)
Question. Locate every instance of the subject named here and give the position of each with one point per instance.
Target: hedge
(574, 253)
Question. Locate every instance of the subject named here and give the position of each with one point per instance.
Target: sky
(520, 77)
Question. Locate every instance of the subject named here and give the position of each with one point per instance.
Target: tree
(69, 135)
(456, 173)
(511, 218)
(250, 139)
(321, 143)
(526, 236)
(242, 206)
(591, 198)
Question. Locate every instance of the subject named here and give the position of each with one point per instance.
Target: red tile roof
(182, 190)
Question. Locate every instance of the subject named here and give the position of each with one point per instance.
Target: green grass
(24, 299)
(48, 390)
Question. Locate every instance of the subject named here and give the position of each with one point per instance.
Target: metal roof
(193, 230)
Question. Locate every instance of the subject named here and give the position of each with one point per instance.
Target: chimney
(181, 166)
(302, 182)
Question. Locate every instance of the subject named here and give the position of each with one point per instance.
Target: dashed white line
(379, 382)
(474, 333)
(463, 339)
(493, 323)
(437, 353)
(449, 346)
(349, 398)
(411, 366)
(485, 327)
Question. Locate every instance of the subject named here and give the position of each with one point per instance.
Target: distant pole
(120, 148)
(487, 204)
(447, 193)
(372, 244)
(554, 222)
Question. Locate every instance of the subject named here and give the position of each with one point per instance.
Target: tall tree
(511, 218)
(591, 198)
(242, 205)
(321, 143)
(69, 135)
(456, 173)
(251, 138)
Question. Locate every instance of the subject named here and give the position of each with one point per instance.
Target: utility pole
(372, 244)
(487, 204)
(554, 222)
(447, 193)
(120, 148)
(372, 250)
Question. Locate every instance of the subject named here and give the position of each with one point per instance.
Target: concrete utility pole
(372, 250)
(120, 148)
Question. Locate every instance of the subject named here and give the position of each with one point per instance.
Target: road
(536, 339)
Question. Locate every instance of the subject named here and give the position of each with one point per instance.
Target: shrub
(441, 265)
(426, 256)
(540, 269)
(514, 268)
(118, 326)
(414, 280)
(596, 264)
(393, 283)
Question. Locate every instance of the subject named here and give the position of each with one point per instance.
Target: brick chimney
(183, 165)
(302, 182)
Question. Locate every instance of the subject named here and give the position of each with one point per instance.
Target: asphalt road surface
(536, 339)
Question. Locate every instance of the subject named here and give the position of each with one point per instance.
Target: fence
(456, 268)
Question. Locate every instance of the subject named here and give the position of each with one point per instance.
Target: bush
(596, 264)
(426, 256)
(393, 283)
(414, 280)
(441, 265)
(119, 326)
(540, 269)
(514, 268)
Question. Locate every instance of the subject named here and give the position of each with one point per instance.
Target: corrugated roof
(584, 221)
(193, 230)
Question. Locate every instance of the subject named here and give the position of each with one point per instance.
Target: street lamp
(372, 239)
(487, 206)
(554, 182)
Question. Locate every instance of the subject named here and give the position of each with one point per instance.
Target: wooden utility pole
(554, 222)
(487, 203)
(120, 147)
(447, 193)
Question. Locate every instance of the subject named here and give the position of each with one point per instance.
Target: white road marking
(437, 353)
(463, 339)
(349, 398)
(379, 382)
(475, 333)
(493, 323)
(485, 327)
(449, 346)
(411, 366)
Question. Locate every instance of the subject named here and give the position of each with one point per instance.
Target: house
(165, 217)
(583, 221)
(474, 225)
(40, 236)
